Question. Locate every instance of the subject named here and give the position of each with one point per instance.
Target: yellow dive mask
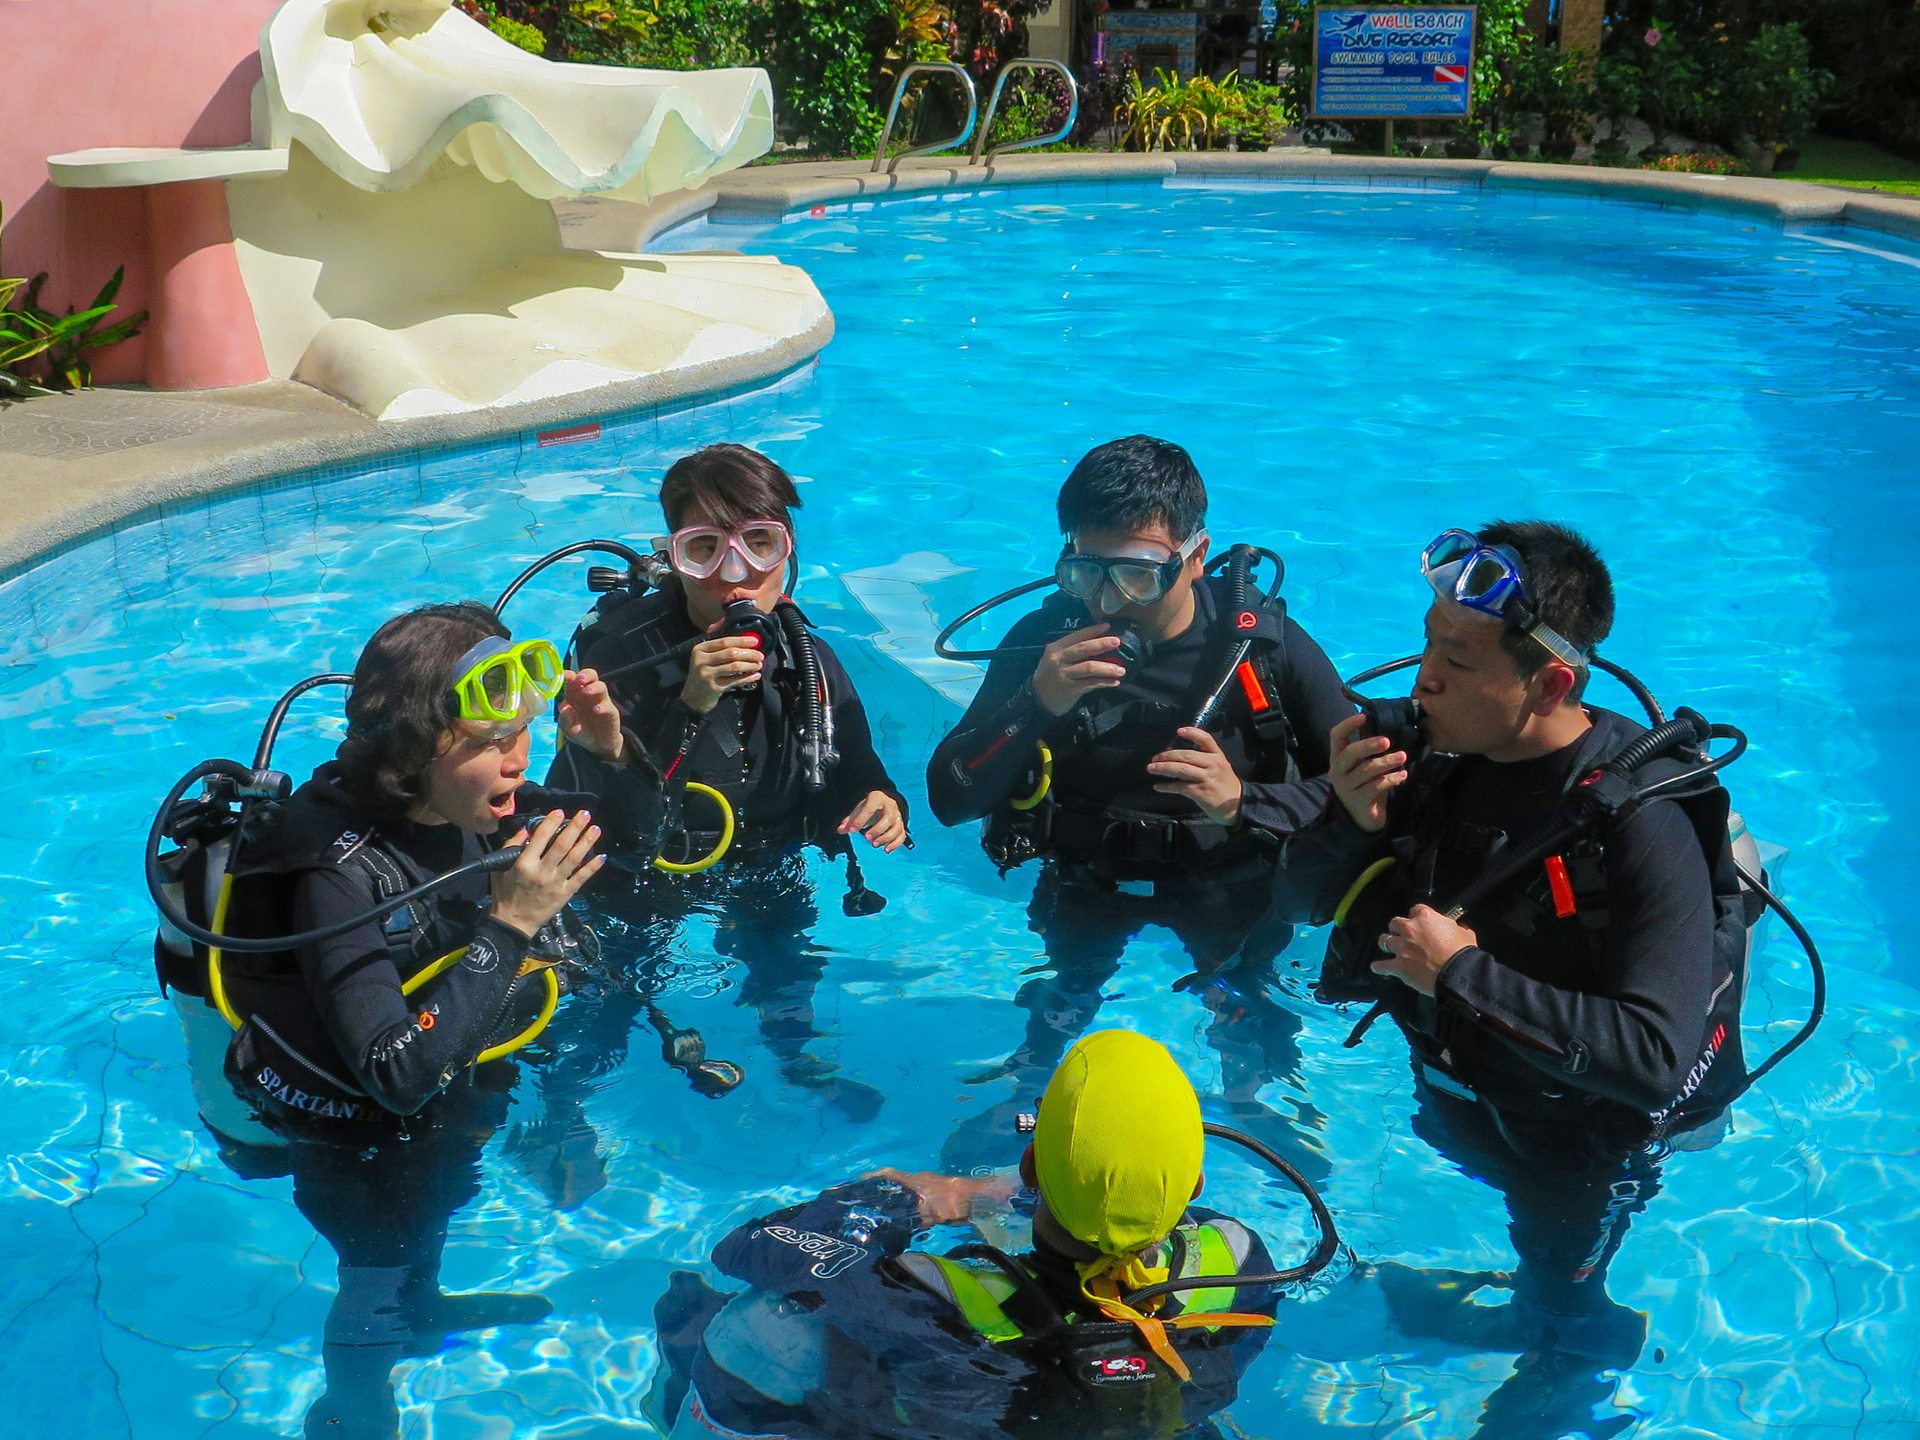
(503, 684)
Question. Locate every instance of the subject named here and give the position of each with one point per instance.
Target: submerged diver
(1093, 756)
(1578, 1017)
(714, 671)
(847, 1333)
(386, 1087)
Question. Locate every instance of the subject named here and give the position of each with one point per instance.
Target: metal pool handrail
(942, 67)
(993, 105)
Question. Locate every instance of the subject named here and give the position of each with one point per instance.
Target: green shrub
(822, 57)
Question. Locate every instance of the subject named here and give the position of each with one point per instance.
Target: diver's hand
(1075, 664)
(556, 859)
(1419, 944)
(1203, 774)
(949, 1199)
(878, 818)
(716, 666)
(1366, 770)
(589, 718)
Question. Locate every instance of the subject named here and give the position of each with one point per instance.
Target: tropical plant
(41, 351)
(821, 55)
(1553, 83)
(1197, 114)
(1670, 78)
(592, 31)
(1773, 87)
(1616, 100)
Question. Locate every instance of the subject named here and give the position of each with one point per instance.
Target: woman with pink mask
(725, 685)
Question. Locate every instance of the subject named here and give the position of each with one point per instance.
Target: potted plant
(1669, 82)
(1772, 92)
(1616, 99)
(1553, 84)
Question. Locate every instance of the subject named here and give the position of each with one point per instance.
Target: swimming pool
(1727, 407)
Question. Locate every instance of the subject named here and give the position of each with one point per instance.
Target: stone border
(316, 432)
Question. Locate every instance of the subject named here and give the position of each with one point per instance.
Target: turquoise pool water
(1730, 409)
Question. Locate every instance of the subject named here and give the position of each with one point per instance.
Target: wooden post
(1582, 24)
(1388, 151)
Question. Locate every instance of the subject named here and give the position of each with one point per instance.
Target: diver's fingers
(540, 837)
(1345, 730)
(1086, 649)
(575, 882)
(1350, 757)
(1202, 740)
(582, 842)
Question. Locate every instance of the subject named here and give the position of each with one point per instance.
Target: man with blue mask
(1569, 1019)
(1145, 733)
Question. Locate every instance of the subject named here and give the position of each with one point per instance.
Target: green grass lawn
(1855, 163)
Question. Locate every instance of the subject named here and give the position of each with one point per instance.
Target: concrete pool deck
(75, 466)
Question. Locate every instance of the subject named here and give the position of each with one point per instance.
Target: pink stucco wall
(87, 73)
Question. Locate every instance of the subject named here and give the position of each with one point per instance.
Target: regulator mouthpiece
(1399, 718)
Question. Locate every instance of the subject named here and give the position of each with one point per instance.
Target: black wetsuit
(1550, 1046)
(377, 1090)
(1209, 884)
(846, 1334)
(748, 748)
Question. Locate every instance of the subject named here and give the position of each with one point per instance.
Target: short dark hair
(730, 484)
(402, 704)
(1129, 484)
(1568, 584)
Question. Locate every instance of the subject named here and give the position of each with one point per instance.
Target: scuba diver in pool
(1570, 992)
(735, 697)
(1146, 732)
(372, 1043)
(846, 1332)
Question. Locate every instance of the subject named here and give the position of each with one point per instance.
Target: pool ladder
(959, 73)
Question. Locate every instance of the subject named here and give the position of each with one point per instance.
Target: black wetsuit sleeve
(627, 800)
(861, 770)
(1633, 1041)
(809, 1248)
(983, 757)
(1314, 702)
(1318, 864)
(651, 710)
(401, 1050)
(837, 1255)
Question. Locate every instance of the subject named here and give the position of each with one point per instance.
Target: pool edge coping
(318, 433)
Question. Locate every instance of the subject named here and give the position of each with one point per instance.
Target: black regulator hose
(1239, 565)
(1632, 682)
(817, 744)
(1322, 1255)
(947, 652)
(243, 779)
(1819, 1010)
(638, 566)
(270, 732)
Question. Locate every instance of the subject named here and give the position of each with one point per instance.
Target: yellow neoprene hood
(1118, 1147)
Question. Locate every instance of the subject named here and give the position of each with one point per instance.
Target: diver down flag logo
(1449, 74)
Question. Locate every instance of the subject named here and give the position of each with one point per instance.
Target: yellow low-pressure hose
(1046, 779)
(216, 985)
(713, 856)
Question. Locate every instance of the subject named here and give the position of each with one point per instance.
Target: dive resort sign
(1392, 64)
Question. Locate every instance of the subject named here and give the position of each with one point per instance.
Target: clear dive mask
(758, 547)
(1137, 580)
